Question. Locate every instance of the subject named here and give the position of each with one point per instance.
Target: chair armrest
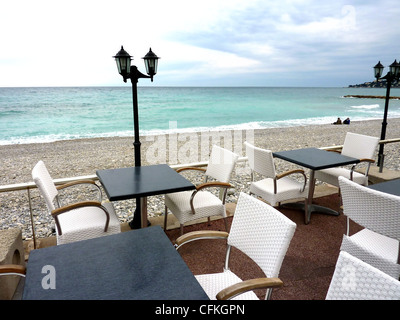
(209, 185)
(12, 269)
(213, 184)
(286, 173)
(248, 285)
(74, 183)
(78, 205)
(190, 168)
(334, 150)
(369, 161)
(69, 184)
(199, 235)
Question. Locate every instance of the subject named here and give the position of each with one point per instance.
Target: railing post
(31, 214)
(382, 159)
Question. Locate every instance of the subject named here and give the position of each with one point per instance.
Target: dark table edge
(147, 194)
(279, 155)
(142, 195)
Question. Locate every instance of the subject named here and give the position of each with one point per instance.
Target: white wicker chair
(357, 146)
(191, 205)
(77, 221)
(259, 231)
(274, 188)
(354, 279)
(379, 213)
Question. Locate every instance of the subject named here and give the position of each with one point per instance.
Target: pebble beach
(72, 158)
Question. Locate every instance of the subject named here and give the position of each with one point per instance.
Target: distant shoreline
(369, 97)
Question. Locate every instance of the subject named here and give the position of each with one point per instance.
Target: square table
(141, 182)
(392, 187)
(315, 159)
(137, 264)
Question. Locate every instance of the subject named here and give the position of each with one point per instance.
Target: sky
(298, 43)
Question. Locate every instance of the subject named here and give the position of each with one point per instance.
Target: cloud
(72, 42)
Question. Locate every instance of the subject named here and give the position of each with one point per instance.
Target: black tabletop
(139, 264)
(315, 159)
(392, 187)
(132, 182)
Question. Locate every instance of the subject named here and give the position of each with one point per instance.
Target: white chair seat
(87, 223)
(331, 176)
(288, 189)
(215, 282)
(386, 247)
(375, 249)
(205, 204)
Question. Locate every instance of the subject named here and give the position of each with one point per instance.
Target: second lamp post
(391, 76)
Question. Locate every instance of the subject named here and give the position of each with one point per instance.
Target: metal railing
(28, 186)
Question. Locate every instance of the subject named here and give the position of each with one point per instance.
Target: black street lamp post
(127, 71)
(391, 77)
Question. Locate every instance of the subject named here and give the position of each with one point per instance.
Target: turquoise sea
(33, 115)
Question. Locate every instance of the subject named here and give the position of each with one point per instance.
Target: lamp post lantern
(151, 63)
(127, 71)
(391, 77)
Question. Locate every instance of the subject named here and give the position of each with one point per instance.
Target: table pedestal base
(136, 222)
(312, 208)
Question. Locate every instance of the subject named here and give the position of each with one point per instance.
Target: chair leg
(306, 213)
(181, 229)
(226, 224)
(165, 218)
(340, 204)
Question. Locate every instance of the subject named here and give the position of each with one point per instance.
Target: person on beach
(347, 121)
(338, 121)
